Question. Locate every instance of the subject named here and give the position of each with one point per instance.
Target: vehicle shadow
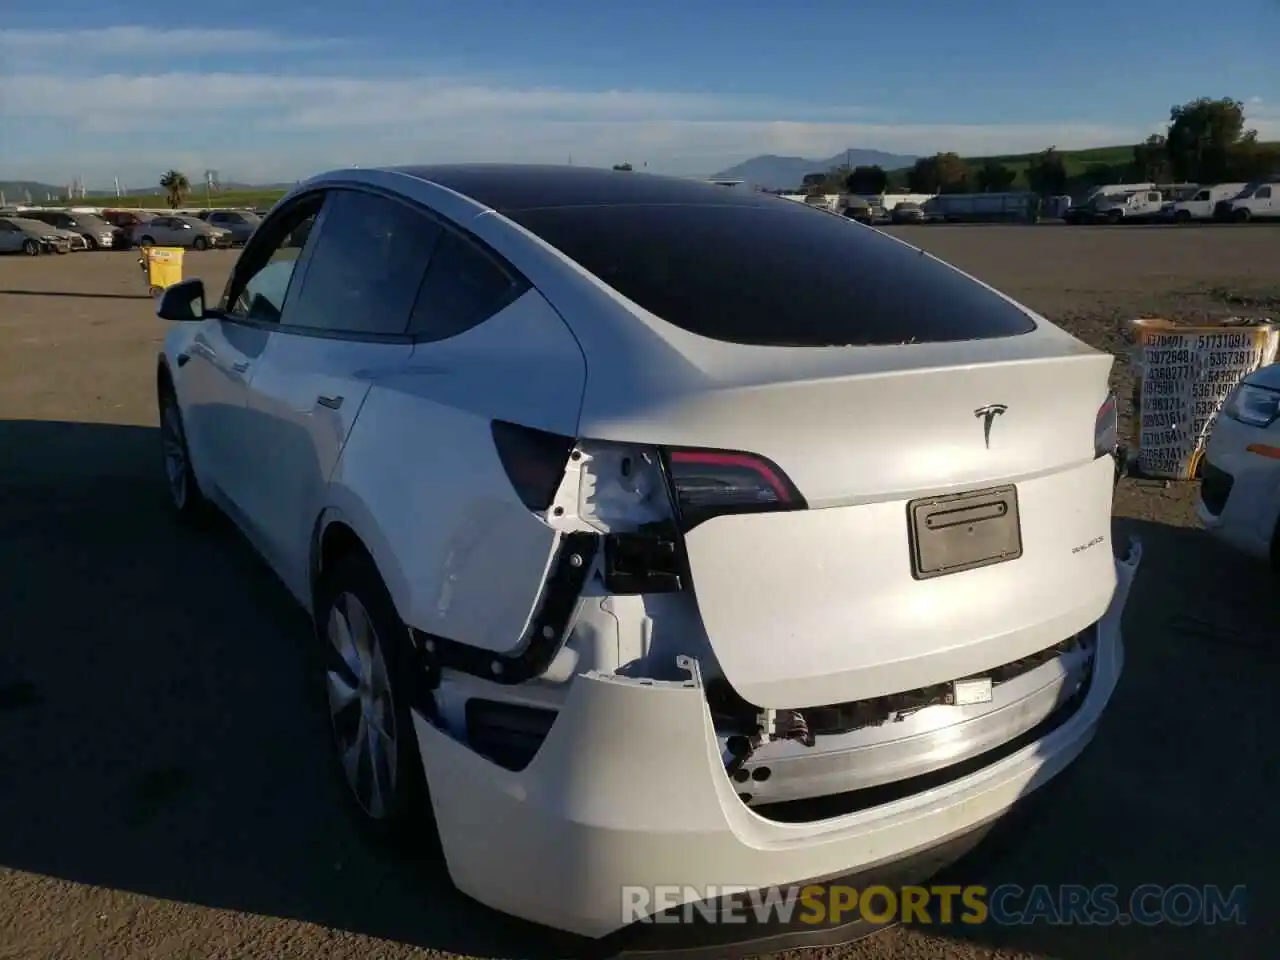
(161, 731)
(83, 296)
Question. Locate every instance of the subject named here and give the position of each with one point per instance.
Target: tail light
(644, 499)
(1106, 429)
(534, 461)
(709, 483)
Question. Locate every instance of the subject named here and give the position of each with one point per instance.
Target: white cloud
(134, 41)
(258, 126)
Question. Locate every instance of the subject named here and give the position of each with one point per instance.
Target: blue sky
(264, 91)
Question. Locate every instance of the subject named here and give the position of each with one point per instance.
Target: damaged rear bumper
(629, 790)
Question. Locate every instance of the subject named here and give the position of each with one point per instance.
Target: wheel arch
(342, 530)
(164, 376)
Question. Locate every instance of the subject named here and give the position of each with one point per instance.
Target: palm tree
(176, 185)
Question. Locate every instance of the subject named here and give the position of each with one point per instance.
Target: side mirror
(183, 302)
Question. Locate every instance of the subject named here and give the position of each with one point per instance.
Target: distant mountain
(784, 173)
(15, 191)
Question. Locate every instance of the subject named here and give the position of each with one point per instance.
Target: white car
(178, 230)
(636, 513)
(1240, 486)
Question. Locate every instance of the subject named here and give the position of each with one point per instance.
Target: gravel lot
(163, 776)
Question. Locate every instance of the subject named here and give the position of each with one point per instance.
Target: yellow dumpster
(163, 267)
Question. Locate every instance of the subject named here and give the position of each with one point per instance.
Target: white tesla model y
(665, 533)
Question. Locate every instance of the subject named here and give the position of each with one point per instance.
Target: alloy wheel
(174, 447)
(361, 707)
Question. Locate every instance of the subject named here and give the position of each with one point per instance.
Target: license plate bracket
(964, 531)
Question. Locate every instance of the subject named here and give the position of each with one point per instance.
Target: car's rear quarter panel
(421, 483)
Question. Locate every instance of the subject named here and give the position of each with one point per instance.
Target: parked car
(1240, 473)
(125, 219)
(1257, 201)
(1202, 204)
(240, 223)
(1135, 206)
(855, 208)
(96, 233)
(32, 237)
(491, 425)
(176, 230)
(907, 212)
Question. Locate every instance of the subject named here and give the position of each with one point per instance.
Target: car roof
(511, 187)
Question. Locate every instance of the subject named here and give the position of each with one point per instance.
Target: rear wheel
(1182, 216)
(369, 679)
(31, 248)
(91, 243)
(1242, 216)
(1114, 217)
(147, 241)
(200, 243)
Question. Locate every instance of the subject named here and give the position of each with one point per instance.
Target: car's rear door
(345, 330)
(11, 238)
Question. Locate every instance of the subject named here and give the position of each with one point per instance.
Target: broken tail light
(643, 499)
(1106, 429)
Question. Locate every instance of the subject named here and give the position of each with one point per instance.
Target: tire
(1242, 216)
(199, 243)
(1182, 216)
(372, 683)
(91, 244)
(1114, 217)
(147, 241)
(31, 248)
(188, 500)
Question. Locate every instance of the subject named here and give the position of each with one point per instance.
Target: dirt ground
(164, 784)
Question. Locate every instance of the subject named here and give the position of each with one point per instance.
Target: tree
(1047, 174)
(867, 180)
(1250, 160)
(995, 177)
(1202, 138)
(1151, 160)
(175, 186)
(624, 167)
(941, 173)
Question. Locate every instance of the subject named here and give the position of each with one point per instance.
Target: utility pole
(117, 180)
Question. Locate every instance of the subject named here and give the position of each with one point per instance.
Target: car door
(11, 238)
(343, 332)
(1265, 204)
(216, 369)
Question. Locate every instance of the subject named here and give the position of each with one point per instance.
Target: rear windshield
(774, 275)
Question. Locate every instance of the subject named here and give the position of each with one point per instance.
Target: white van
(1260, 201)
(1134, 206)
(1201, 206)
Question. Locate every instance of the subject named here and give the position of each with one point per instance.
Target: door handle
(240, 367)
(333, 403)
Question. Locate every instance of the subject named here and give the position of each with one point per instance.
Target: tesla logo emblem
(988, 416)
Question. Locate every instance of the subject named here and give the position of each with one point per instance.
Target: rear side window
(368, 261)
(464, 286)
(775, 275)
(1263, 193)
